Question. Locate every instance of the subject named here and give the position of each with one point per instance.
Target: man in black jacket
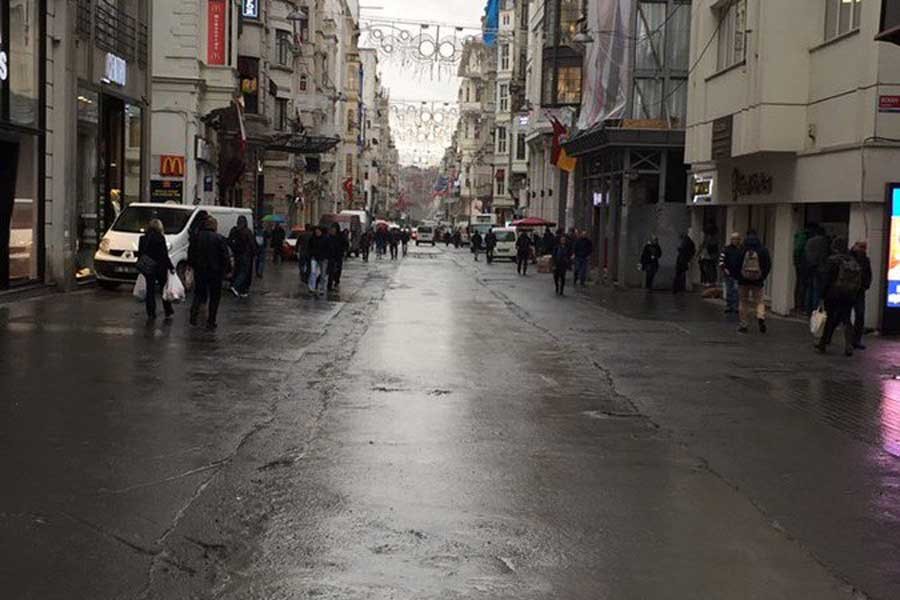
(278, 237)
(686, 252)
(523, 252)
(582, 249)
(208, 257)
(730, 264)
(755, 267)
(243, 245)
(842, 286)
(490, 242)
(860, 253)
(337, 247)
(650, 262)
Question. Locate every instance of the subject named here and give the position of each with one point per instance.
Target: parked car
(424, 235)
(506, 243)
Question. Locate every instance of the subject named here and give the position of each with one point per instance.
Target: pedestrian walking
(562, 261)
(156, 266)
(686, 252)
(730, 262)
(842, 285)
(755, 267)
(337, 250)
(476, 243)
(365, 244)
(208, 257)
(318, 257)
(709, 257)
(381, 241)
(263, 240)
(404, 240)
(490, 242)
(650, 262)
(243, 247)
(394, 242)
(457, 239)
(548, 243)
(303, 261)
(800, 276)
(860, 253)
(524, 245)
(278, 237)
(582, 249)
(815, 255)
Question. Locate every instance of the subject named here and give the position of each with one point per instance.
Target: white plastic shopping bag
(140, 288)
(174, 290)
(817, 322)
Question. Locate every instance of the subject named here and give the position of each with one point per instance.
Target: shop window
(561, 20)
(732, 41)
(280, 116)
(561, 84)
(248, 68)
(283, 48)
(24, 52)
(842, 16)
(18, 187)
(86, 183)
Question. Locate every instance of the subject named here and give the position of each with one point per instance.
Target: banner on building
(491, 22)
(607, 66)
(215, 46)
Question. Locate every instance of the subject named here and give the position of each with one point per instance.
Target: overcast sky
(403, 82)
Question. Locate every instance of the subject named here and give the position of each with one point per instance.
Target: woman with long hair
(153, 246)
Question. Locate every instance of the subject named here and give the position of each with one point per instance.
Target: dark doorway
(112, 159)
(8, 177)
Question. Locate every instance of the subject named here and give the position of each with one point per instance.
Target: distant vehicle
(506, 243)
(364, 220)
(425, 234)
(290, 243)
(115, 260)
(482, 223)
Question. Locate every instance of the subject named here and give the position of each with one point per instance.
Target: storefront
(21, 142)
(111, 162)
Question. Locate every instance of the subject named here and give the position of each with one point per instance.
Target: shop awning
(604, 136)
(302, 144)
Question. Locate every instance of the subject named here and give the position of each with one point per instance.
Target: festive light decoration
(422, 129)
(432, 49)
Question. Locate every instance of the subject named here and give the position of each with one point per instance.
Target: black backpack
(849, 278)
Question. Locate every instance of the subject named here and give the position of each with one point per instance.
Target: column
(781, 284)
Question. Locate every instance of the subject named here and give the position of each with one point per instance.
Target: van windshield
(505, 236)
(425, 229)
(134, 219)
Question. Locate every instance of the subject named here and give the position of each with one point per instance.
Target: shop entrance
(112, 160)
(8, 167)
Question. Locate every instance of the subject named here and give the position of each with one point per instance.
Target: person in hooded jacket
(686, 252)
(756, 264)
(842, 285)
(208, 256)
(318, 257)
(582, 249)
(153, 245)
(337, 250)
(476, 243)
(490, 242)
(815, 265)
(730, 264)
(860, 252)
(562, 261)
(650, 261)
(243, 246)
(549, 242)
(523, 253)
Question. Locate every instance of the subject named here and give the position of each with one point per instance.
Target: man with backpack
(755, 267)
(842, 285)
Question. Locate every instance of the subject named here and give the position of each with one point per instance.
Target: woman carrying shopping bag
(155, 265)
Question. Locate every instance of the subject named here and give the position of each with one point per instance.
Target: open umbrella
(274, 219)
(533, 222)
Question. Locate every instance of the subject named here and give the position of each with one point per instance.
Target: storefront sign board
(215, 45)
(171, 165)
(116, 69)
(722, 135)
(889, 104)
(702, 189)
(251, 9)
(166, 190)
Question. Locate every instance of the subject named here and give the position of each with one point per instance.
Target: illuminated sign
(702, 188)
(116, 69)
(166, 191)
(893, 262)
(251, 9)
(215, 40)
(171, 166)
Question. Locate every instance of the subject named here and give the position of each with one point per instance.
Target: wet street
(444, 429)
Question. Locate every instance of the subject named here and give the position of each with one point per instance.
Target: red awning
(533, 222)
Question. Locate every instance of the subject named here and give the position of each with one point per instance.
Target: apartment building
(476, 137)
(789, 130)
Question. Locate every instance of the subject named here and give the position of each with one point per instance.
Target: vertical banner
(215, 46)
(607, 64)
(891, 316)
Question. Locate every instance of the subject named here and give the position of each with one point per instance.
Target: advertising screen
(893, 266)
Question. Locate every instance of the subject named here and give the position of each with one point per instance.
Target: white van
(115, 260)
(506, 243)
(425, 234)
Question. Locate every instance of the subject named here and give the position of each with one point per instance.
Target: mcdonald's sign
(171, 165)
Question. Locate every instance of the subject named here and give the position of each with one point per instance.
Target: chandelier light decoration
(427, 48)
(423, 129)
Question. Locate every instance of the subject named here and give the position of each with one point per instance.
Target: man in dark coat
(686, 252)
(756, 264)
(337, 247)
(208, 257)
(523, 252)
(562, 260)
(490, 242)
(650, 262)
(730, 264)
(815, 264)
(243, 246)
(548, 243)
(278, 237)
(841, 289)
(583, 248)
(860, 252)
(476, 243)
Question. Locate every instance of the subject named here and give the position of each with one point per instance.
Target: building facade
(785, 131)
